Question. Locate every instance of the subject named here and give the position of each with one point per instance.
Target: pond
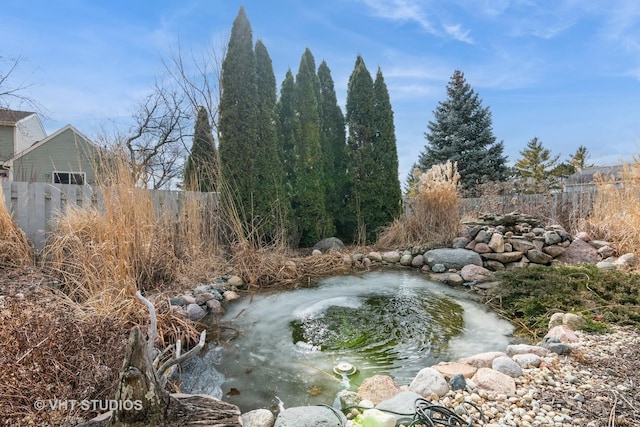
(302, 347)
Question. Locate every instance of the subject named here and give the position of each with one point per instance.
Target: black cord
(431, 415)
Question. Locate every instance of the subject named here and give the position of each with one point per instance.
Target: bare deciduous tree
(13, 90)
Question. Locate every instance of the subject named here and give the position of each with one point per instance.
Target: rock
(195, 312)
(597, 244)
(606, 252)
(451, 369)
(482, 360)
(452, 258)
(556, 320)
(348, 398)
(347, 260)
(418, 261)
(177, 301)
(505, 257)
(304, 416)
(554, 251)
(214, 306)
(583, 235)
(375, 256)
(481, 248)
(507, 366)
(493, 265)
(230, 295)
(429, 381)
(496, 243)
(579, 252)
(536, 256)
(401, 403)
(235, 281)
(438, 268)
(406, 260)
(378, 388)
(514, 349)
(562, 333)
(551, 238)
(521, 245)
(316, 252)
(606, 265)
(626, 262)
(453, 279)
(475, 273)
(258, 418)
(188, 299)
(391, 257)
(558, 348)
(482, 237)
(460, 242)
(494, 382)
(573, 321)
(329, 244)
(458, 382)
(528, 360)
(203, 297)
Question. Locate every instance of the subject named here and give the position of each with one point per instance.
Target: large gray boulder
(579, 252)
(329, 244)
(452, 257)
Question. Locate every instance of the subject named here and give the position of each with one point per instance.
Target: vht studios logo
(87, 405)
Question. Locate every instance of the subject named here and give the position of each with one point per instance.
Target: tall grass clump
(432, 213)
(15, 250)
(104, 254)
(616, 210)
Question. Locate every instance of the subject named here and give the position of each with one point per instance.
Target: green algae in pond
(423, 321)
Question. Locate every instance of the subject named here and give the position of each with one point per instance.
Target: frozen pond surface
(389, 322)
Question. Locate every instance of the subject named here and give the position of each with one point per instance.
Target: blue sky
(565, 71)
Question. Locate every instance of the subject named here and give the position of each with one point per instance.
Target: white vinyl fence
(34, 205)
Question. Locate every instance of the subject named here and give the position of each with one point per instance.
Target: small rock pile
(207, 299)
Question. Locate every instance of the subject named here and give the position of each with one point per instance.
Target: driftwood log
(142, 386)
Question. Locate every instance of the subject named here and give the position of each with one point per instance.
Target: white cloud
(457, 32)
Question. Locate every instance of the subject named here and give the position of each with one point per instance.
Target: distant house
(585, 179)
(28, 154)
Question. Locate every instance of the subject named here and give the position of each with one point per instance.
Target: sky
(564, 71)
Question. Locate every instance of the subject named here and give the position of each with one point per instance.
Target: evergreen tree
(201, 168)
(269, 198)
(334, 149)
(238, 114)
(536, 162)
(288, 129)
(386, 154)
(579, 158)
(462, 132)
(365, 200)
(308, 202)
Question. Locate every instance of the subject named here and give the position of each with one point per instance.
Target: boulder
(505, 257)
(452, 258)
(495, 382)
(562, 333)
(451, 369)
(329, 244)
(378, 388)
(429, 381)
(401, 403)
(482, 360)
(536, 256)
(258, 418)
(496, 243)
(579, 252)
(528, 360)
(417, 261)
(507, 366)
(391, 257)
(475, 273)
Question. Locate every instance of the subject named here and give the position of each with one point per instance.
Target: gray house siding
(6, 143)
(65, 152)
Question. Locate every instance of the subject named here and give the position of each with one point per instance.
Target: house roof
(49, 138)
(587, 175)
(11, 117)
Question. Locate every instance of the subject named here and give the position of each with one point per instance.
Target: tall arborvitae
(200, 172)
(386, 154)
(309, 206)
(288, 125)
(269, 199)
(361, 113)
(462, 132)
(334, 150)
(238, 112)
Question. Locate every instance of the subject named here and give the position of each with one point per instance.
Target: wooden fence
(35, 205)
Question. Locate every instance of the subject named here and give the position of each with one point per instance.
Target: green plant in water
(530, 295)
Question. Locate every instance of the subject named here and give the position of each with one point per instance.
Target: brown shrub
(432, 216)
